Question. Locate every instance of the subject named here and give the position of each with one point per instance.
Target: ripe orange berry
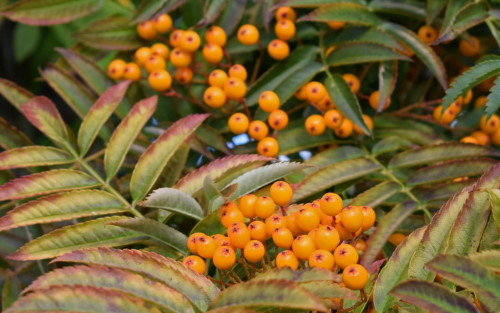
(360, 245)
(146, 30)
(116, 69)
(195, 263)
(254, 251)
(344, 234)
(238, 235)
(325, 219)
(315, 91)
(268, 101)
(495, 137)
(469, 48)
(217, 78)
(160, 80)
(468, 97)
(141, 55)
(205, 246)
(427, 34)
(247, 205)
(212, 53)
(447, 117)
(336, 25)
(163, 23)
(345, 255)
(480, 102)
(307, 219)
(481, 137)
(345, 129)
(258, 130)
(331, 204)
(274, 222)
(281, 193)
(268, 147)
(352, 81)
(322, 259)
(491, 125)
(238, 71)
(374, 97)
(326, 103)
(469, 139)
(190, 41)
(184, 75)
(352, 218)
(312, 233)
(396, 238)
(291, 223)
(132, 72)
(369, 123)
(355, 277)
(229, 216)
(278, 119)
(315, 124)
(216, 35)
(235, 88)
(154, 63)
(248, 35)
(326, 238)
(175, 38)
(238, 122)
(191, 242)
(301, 94)
(303, 247)
(230, 205)
(161, 50)
(369, 217)
(278, 49)
(180, 58)
(220, 240)
(284, 29)
(214, 97)
(258, 231)
(287, 258)
(224, 257)
(285, 13)
(283, 238)
(264, 207)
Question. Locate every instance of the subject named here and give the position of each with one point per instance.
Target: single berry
(469, 47)
(238, 122)
(336, 25)
(180, 58)
(369, 123)
(161, 50)
(216, 35)
(160, 80)
(427, 34)
(301, 94)
(258, 130)
(368, 217)
(281, 193)
(224, 257)
(190, 41)
(489, 126)
(278, 49)
(345, 129)
(205, 246)
(264, 207)
(374, 98)
(155, 63)
(330, 204)
(291, 223)
(235, 88)
(352, 81)
(282, 238)
(284, 29)
(132, 72)
(141, 55)
(175, 38)
(326, 238)
(307, 219)
(254, 251)
(274, 222)
(248, 35)
(345, 255)
(229, 216)
(163, 23)
(217, 78)
(352, 218)
(238, 235)
(146, 30)
(268, 101)
(285, 13)
(355, 277)
(212, 53)
(315, 91)
(396, 238)
(315, 125)
(303, 247)
(116, 69)
(480, 102)
(278, 119)
(214, 97)
(258, 231)
(268, 147)
(195, 263)
(445, 117)
(184, 75)
(247, 205)
(322, 259)
(191, 242)
(238, 71)
(287, 259)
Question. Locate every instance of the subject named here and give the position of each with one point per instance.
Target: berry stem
(258, 62)
(245, 106)
(246, 268)
(283, 210)
(227, 56)
(228, 277)
(236, 276)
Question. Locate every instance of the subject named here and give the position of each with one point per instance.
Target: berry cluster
(489, 131)
(321, 234)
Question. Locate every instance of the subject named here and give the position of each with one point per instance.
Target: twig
(355, 305)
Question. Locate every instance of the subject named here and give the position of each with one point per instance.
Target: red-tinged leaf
(109, 278)
(192, 183)
(33, 156)
(11, 137)
(385, 227)
(197, 288)
(79, 299)
(395, 271)
(313, 3)
(43, 114)
(377, 194)
(174, 200)
(153, 160)
(351, 13)
(488, 259)
(61, 207)
(307, 275)
(125, 134)
(45, 183)
(94, 233)
(99, 114)
(15, 94)
(10, 290)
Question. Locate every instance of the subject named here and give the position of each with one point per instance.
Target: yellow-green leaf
(11, 137)
(30, 156)
(15, 94)
(175, 201)
(351, 13)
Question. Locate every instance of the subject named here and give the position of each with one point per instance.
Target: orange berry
(360, 245)
(205, 246)
(481, 137)
(352, 81)
(214, 97)
(491, 125)
(154, 63)
(480, 102)
(141, 55)
(247, 205)
(258, 130)
(184, 75)
(216, 35)
(312, 233)
(282, 238)
(278, 49)
(116, 69)
(268, 101)
(248, 35)
(468, 97)
(258, 231)
(326, 103)
(325, 219)
(217, 78)
(345, 129)
(229, 216)
(344, 234)
(345, 255)
(190, 41)
(281, 193)
(163, 23)
(374, 98)
(238, 235)
(322, 259)
(307, 219)
(212, 53)
(284, 29)
(446, 118)
(303, 247)
(315, 91)
(495, 137)
(146, 30)
(224, 257)
(469, 48)
(220, 240)
(331, 204)
(278, 119)
(301, 94)
(160, 80)
(315, 124)
(336, 25)
(238, 122)
(352, 218)
(235, 88)
(195, 263)
(161, 50)
(274, 222)
(268, 147)
(369, 123)
(369, 217)
(175, 38)
(191, 242)
(427, 34)
(355, 277)
(230, 205)
(180, 58)
(254, 251)
(132, 72)
(287, 258)
(469, 139)
(264, 207)
(396, 238)
(291, 223)
(326, 238)
(285, 13)
(238, 71)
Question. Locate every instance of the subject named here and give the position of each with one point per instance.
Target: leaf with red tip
(11, 137)
(15, 94)
(33, 156)
(45, 183)
(157, 155)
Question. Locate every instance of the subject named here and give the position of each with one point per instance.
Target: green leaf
(295, 138)
(197, 288)
(351, 13)
(495, 207)
(440, 152)
(331, 156)
(423, 51)
(99, 114)
(332, 175)
(313, 3)
(492, 105)
(270, 293)
(355, 53)
(49, 12)
(452, 10)
(212, 197)
(157, 155)
(161, 233)
(125, 134)
(390, 144)
(434, 8)
(10, 291)
(412, 135)
(326, 290)
(111, 33)
(62, 207)
(30, 156)
(45, 183)
(147, 9)
(395, 271)
(385, 227)
(210, 225)
(376, 194)
(26, 39)
(11, 137)
(345, 100)
(174, 200)
(212, 11)
(488, 259)
(232, 15)
(469, 16)
(15, 94)
(387, 78)
(410, 8)
(309, 274)
(433, 297)
(368, 35)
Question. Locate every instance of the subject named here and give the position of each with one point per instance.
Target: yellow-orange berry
(160, 80)
(184, 75)
(352, 81)
(326, 103)
(216, 35)
(161, 50)
(163, 23)
(352, 218)
(344, 234)
(301, 94)
(116, 69)
(180, 58)
(336, 25)
(212, 53)
(333, 119)
(258, 130)
(427, 34)
(220, 240)
(268, 101)
(230, 216)
(264, 207)
(345, 255)
(303, 247)
(146, 30)
(190, 41)
(468, 96)
(191, 242)
(282, 238)
(470, 47)
(278, 49)
(307, 219)
(195, 263)
(482, 138)
(205, 246)
(281, 193)
(141, 55)
(396, 238)
(273, 222)
(268, 146)
(217, 78)
(374, 98)
(495, 137)
(239, 235)
(132, 72)
(238, 71)
(369, 217)
(315, 124)
(315, 91)
(247, 205)
(345, 129)
(480, 102)
(369, 123)
(322, 259)
(285, 13)
(291, 223)
(489, 126)
(154, 63)
(238, 123)
(284, 29)
(254, 251)
(326, 238)
(214, 97)
(175, 38)
(278, 119)
(258, 231)
(355, 277)
(469, 139)
(447, 117)
(235, 88)
(248, 35)
(224, 257)
(287, 258)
